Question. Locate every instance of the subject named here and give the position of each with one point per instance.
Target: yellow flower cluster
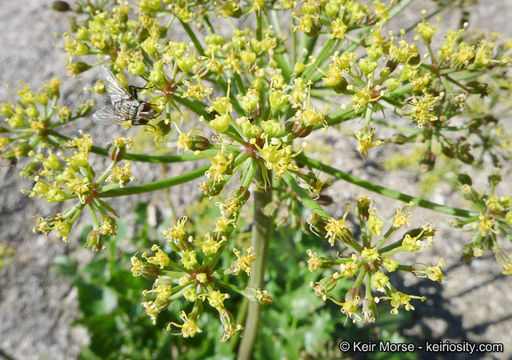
(369, 260)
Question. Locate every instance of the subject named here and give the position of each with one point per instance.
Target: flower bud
(22, 149)
(428, 161)
(384, 73)
(298, 129)
(85, 109)
(324, 200)
(211, 188)
(317, 222)
(399, 139)
(31, 168)
(335, 80)
(352, 295)
(221, 123)
(464, 179)
(94, 240)
(61, 6)
(198, 142)
(448, 151)
(369, 310)
(116, 152)
(242, 195)
(77, 68)
(271, 128)
(328, 283)
(363, 207)
(494, 179)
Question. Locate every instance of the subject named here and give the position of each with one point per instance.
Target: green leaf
(319, 332)
(96, 300)
(65, 266)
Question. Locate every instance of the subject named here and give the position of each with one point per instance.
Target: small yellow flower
(190, 294)
(401, 219)
(140, 268)
(448, 47)
(108, 226)
(198, 91)
(380, 281)
(398, 299)
(370, 254)
(62, 228)
(337, 229)
(121, 175)
(410, 243)
(210, 246)
(434, 272)
(349, 268)
(426, 30)
(243, 263)
(422, 108)
(390, 264)
(277, 156)
(366, 141)
(263, 297)
(189, 327)
(314, 261)
(338, 29)
(375, 224)
(188, 258)
(465, 53)
(160, 258)
(215, 299)
(223, 223)
(485, 224)
(350, 307)
(220, 165)
(202, 278)
(153, 308)
(176, 232)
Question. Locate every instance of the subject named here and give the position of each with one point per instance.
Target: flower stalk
(261, 235)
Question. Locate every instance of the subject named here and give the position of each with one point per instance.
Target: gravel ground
(37, 306)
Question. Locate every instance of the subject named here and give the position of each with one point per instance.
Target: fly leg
(133, 90)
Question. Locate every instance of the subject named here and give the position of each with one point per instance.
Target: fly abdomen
(127, 109)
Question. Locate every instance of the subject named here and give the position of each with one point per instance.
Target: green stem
(383, 190)
(94, 217)
(320, 58)
(240, 318)
(193, 37)
(195, 105)
(261, 234)
(157, 185)
(360, 277)
(134, 157)
(106, 173)
(282, 58)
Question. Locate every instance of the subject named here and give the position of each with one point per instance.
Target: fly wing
(106, 115)
(115, 88)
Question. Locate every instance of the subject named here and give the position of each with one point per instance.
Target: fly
(124, 104)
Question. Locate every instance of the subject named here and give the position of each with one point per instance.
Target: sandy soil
(37, 306)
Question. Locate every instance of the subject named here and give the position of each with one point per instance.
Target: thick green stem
(383, 190)
(261, 234)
